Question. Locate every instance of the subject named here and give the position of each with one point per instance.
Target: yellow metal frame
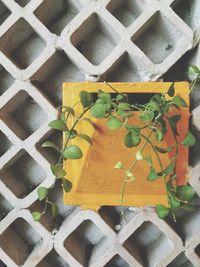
(91, 188)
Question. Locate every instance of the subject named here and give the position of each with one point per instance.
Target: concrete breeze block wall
(46, 42)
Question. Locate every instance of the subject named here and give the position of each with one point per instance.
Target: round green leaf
(132, 139)
(171, 90)
(42, 193)
(189, 139)
(114, 123)
(147, 116)
(49, 144)
(162, 211)
(86, 138)
(174, 202)
(185, 192)
(159, 135)
(58, 125)
(179, 101)
(57, 171)
(86, 99)
(106, 97)
(72, 152)
(98, 110)
(194, 69)
(67, 185)
(152, 175)
(36, 216)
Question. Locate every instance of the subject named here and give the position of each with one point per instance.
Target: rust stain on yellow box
(95, 181)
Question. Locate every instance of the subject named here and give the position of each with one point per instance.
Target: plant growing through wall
(156, 116)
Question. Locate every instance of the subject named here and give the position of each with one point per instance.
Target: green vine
(155, 115)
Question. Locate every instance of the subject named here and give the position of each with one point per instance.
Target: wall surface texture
(46, 42)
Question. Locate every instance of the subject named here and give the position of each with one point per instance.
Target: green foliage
(72, 152)
(86, 99)
(42, 193)
(189, 139)
(37, 216)
(156, 117)
(58, 125)
(162, 211)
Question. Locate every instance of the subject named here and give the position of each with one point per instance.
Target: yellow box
(95, 181)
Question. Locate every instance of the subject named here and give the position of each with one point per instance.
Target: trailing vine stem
(117, 110)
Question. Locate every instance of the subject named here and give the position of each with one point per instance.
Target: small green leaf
(72, 152)
(147, 116)
(179, 101)
(36, 216)
(174, 202)
(119, 165)
(129, 174)
(152, 175)
(159, 135)
(189, 139)
(86, 138)
(132, 139)
(42, 193)
(57, 171)
(169, 169)
(121, 97)
(49, 144)
(71, 134)
(86, 99)
(114, 123)
(171, 90)
(58, 125)
(163, 150)
(124, 106)
(123, 113)
(67, 185)
(194, 69)
(185, 192)
(98, 110)
(106, 97)
(173, 120)
(162, 211)
(139, 155)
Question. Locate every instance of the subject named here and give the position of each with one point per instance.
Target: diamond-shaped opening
(6, 80)
(145, 243)
(5, 207)
(19, 240)
(22, 174)
(180, 261)
(22, 44)
(197, 250)
(187, 222)
(22, 3)
(87, 243)
(2, 264)
(126, 11)
(124, 70)
(95, 39)
(50, 154)
(5, 144)
(188, 12)
(112, 216)
(158, 38)
(53, 73)
(4, 12)
(23, 115)
(53, 260)
(56, 195)
(55, 15)
(117, 261)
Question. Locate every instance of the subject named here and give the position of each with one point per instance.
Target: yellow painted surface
(95, 181)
